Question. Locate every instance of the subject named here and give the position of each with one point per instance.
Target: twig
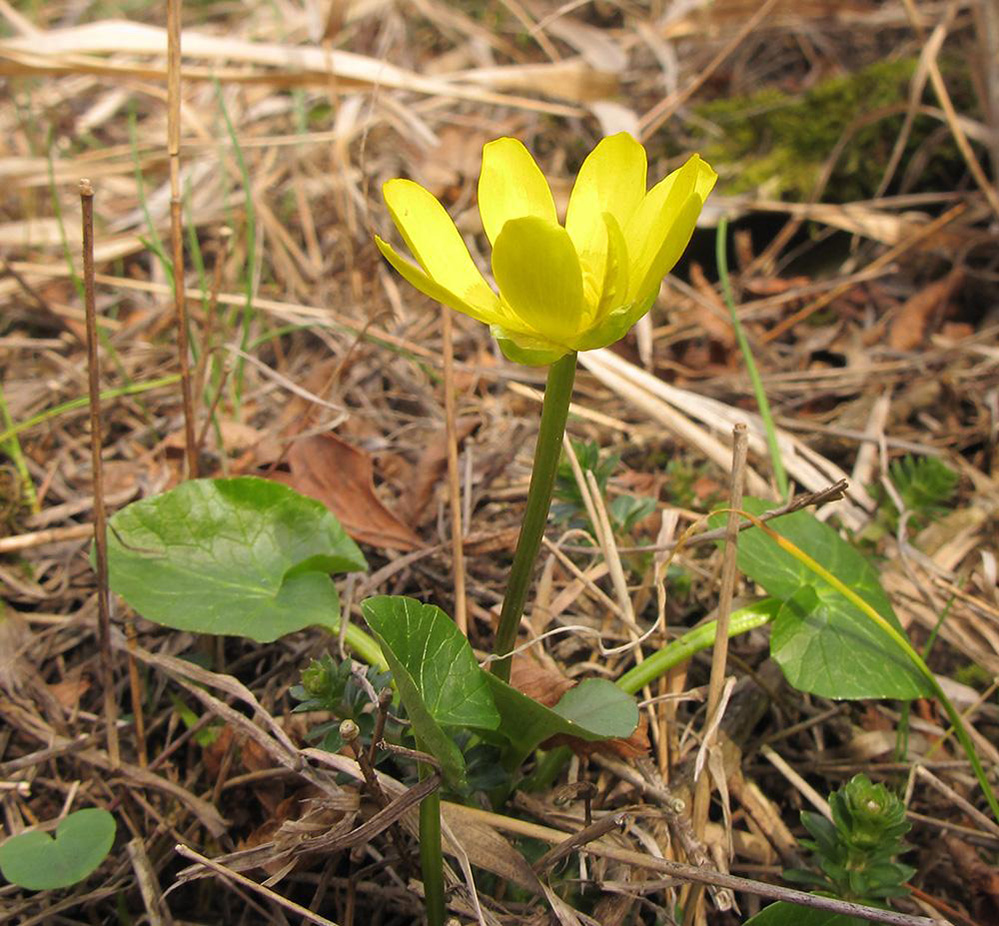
(149, 888)
(813, 796)
(298, 909)
(832, 493)
(961, 802)
(40, 538)
(646, 778)
(453, 476)
(177, 232)
(719, 659)
(350, 733)
(929, 229)
(100, 515)
(661, 112)
(580, 839)
(694, 873)
(953, 123)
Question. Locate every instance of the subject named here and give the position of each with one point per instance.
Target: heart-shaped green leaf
(823, 642)
(244, 556)
(593, 710)
(439, 681)
(40, 863)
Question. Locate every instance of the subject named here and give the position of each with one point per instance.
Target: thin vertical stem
(453, 476)
(177, 232)
(762, 403)
(100, 515)
(431, 856)
(719, 658)
(554, 412)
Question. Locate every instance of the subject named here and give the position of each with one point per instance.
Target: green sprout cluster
(856, 850)
(338, 688)
(624, 511)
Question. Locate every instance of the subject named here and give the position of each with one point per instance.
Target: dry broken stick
(645, 776)
(832, 493)
(578, 840)
(100, 516)
(350, 733)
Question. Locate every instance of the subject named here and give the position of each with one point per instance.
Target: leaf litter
(872, 321)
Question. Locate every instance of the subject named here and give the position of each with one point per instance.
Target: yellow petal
(436, 244)
(511, 186)
(488, 313)
(612, 179)
(662, 225)
(539, 277)
(614, 290)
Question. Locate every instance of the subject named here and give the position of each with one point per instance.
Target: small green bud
(868, 814)
(315, 679)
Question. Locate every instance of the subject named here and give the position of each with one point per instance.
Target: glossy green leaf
(823, 642)
(828, 652)
(439, 681)
(593, 710)
(40, 863)
(790, 914)
(243, 556)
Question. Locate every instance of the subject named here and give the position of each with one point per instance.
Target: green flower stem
(365, 647)
(554, 412)
(431, 856)
(694, 641)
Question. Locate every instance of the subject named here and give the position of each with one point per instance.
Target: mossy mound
(775, 144)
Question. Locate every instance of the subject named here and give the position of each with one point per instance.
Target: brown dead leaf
(430, 471)
(483, 542)
(715, 324)
(982, 877)
(910, 325)
(775, 286)
(69, 691)
(339, 475)
(486, 847)
(546, 686)
(539, 683)
(214, 753)
(956, 331)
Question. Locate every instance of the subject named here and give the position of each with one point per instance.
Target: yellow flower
(561, 288)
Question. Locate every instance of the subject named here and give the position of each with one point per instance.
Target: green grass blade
(82, 402)
(251, 244)
(747, 354)
(12, 447)
(57, 209)
(153, 241)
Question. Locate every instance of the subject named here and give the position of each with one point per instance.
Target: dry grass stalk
(453, 475)
(719, 657)
(177, 231)
(419, 91)
(100, 515)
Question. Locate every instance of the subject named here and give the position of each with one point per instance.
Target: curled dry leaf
(328, 469)
(714, 322)
(910, 326)
(982, 877)
(430, 471)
